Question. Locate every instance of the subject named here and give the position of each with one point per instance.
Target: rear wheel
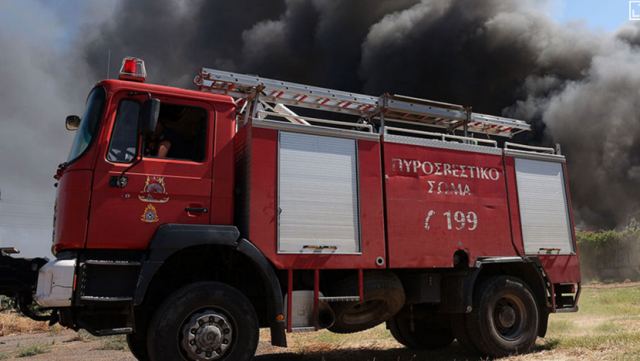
(504, 320)
(383, 298)
(426, 332)
(204, 321)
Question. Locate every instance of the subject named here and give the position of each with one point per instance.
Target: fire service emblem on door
(154, 191)
(150, 214)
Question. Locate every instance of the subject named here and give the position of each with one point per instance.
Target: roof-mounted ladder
(282, 92)
(396, 109)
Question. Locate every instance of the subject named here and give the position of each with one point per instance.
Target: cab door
(155, 191)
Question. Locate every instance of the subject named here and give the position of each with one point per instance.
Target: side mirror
(149, 116)
(72, 122)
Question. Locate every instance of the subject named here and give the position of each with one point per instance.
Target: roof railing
(528, 148)
(444, 137)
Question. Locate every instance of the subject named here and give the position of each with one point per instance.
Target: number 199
(460, 220)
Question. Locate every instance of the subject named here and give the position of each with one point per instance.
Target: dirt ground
(606, 328)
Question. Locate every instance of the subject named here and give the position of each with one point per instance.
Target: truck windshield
(88, 123)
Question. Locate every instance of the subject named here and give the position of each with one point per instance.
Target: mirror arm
(122, 180)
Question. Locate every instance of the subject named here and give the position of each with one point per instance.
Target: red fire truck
(188, 220)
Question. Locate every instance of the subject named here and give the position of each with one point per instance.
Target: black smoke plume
(578, 87)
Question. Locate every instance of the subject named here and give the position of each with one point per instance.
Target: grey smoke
(43, 77)
(576, 86)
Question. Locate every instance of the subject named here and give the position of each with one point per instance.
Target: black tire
(429, 332)
(138, 346)
(383, 298)
(212, 314)
(459, 327)
(505, 317)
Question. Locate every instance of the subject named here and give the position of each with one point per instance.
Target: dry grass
(606, 328)
(32, 351)
(12, 323)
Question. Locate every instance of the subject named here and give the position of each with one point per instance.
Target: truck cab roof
(116, 85)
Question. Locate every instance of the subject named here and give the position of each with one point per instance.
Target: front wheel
(138, 346)
(204, 321)
(505, 317)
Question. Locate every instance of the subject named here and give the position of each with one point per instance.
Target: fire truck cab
(189, 219)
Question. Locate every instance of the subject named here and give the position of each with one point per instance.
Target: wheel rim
(365, 312)
(207, 335)
(509, 317)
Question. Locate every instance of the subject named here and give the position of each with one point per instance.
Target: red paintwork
(72, 209)
(115, 213)
(263, 148)
(410, 198)
(514, 207)
(223, 181)
(290, 299)
(94, 215)
(561, 269)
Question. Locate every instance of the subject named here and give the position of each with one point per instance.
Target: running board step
(106, 299)
(303, 329)
(99, 262)
(114, 331)
(340, 299)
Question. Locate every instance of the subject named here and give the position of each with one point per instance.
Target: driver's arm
(163, 148)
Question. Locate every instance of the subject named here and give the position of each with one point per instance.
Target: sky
(606, 15)
(35, 34)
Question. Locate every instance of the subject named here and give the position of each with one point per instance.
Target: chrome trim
(315, 130)
(535, 155)
(401, 139)
(444, 137)
(530, 148)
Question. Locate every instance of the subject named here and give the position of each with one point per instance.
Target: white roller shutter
(544, 214)
(317, 194)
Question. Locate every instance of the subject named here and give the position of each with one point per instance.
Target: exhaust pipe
(326, 316)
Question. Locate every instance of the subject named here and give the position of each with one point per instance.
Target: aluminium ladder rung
(289, 93)
(424, 112)
(451, 116)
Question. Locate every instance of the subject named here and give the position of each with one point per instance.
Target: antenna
(108, 62)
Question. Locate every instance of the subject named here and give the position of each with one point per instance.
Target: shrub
(610, 254)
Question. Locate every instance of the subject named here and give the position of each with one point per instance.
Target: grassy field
(606, 328)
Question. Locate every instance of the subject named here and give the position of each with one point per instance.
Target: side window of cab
(180, 133)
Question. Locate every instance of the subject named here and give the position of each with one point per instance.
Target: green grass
(32, 351)
(610, 301)
(600, 341)
(607, 327)
(607, 324)
(559, 326)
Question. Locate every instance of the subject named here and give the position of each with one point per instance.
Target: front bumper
(55, 283)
